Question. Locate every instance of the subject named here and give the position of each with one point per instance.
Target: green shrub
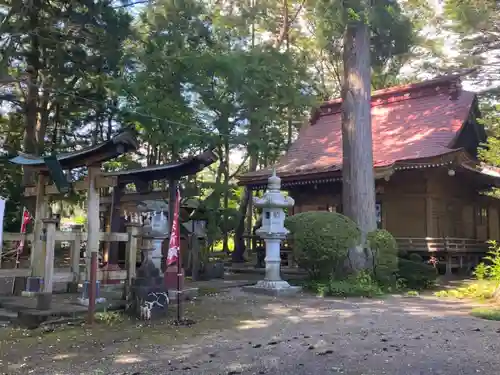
(385, 250)
(486, 313)
(321, 241)
(416, 275)
(493, 257)
(481, 290)
(361, 285)
(414, 257)
(480, 272)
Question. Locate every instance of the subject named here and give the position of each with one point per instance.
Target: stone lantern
(273, 231)
(148, 298)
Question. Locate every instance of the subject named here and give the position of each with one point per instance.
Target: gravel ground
(239, 333)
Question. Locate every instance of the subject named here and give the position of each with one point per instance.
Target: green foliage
(384, 246)
(481, 290)
(109, 317)
(486, 313)
(416, 275)
(360, 285)
(392, 35)
(493, 259)
(414, 257)
(470, 15)
(321, 241)
(480, 272)
(412, 293)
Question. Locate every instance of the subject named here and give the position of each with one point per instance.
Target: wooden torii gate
(49, 180)
(47, 186)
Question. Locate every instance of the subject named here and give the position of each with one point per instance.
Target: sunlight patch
(128, 358)
(249, 324)
(59, 357)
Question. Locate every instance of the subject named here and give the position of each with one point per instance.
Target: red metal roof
(408, 122)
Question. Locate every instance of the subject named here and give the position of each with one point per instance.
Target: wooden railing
(74, 272)
(420, 245)
(447, 244)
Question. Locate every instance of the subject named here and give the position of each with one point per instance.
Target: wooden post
(428, 217)
(131, 255)
(92, 236)
(75, 258)
(41, 210)
(448, 265)
(115, 222)
(50, 244)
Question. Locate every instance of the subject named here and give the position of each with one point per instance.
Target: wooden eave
(454, 157)
(174, 170)
(116, 146)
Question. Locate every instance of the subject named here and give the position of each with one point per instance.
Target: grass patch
(360, 286)
(486, 313)
(481, 290)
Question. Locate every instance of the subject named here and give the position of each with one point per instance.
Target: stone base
(44, 301)
(186, 294)
(111, 274)
(34, 284)
(84, 298)
(148, 298)
(85, 301)
(273, 288)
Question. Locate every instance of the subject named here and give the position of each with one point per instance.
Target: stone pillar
(273, 259)
(75, 258)
(48, 239)
(133, 230)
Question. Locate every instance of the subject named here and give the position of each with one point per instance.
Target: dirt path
(239, 333)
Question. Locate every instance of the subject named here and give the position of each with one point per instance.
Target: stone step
(7, 317)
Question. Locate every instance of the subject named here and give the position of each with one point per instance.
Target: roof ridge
(377, 97)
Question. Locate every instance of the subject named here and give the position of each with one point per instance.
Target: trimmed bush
(414, 257)
(321, 241)
(385, 250)
(416, 275)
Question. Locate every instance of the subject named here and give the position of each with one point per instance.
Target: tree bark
(225, 218)
(358, 176)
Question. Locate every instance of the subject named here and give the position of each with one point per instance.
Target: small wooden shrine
(54, 173)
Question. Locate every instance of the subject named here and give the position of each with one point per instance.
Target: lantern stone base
(84, 297)
(185, 294)
(279, 288)
(34, 285)
(148, 298)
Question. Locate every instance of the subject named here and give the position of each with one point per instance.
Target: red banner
(25, 221)
(174, 245)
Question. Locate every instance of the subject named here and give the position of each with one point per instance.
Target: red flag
(175, 234)
(25, 221)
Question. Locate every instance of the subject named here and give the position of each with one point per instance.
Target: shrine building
(429, 182)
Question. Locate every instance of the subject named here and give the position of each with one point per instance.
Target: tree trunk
(31, 105)
(358, 177)
(225, 218)
(245, 211)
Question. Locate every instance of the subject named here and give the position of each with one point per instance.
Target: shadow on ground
(239, 333)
